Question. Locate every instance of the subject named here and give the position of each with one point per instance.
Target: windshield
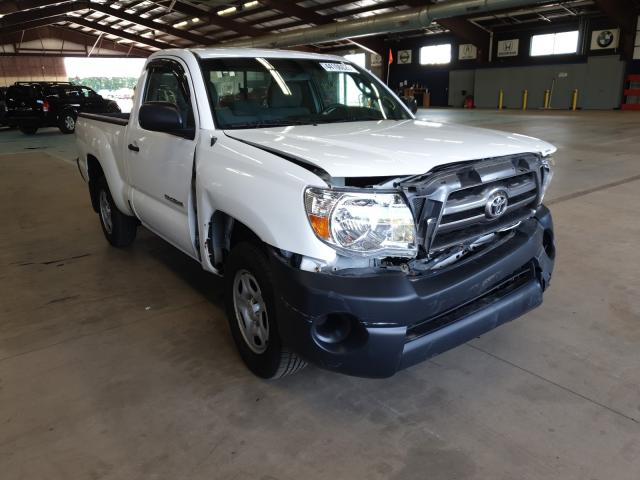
(261, 92)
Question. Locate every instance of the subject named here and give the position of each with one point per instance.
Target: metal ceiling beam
(10, 6)
(71, 35)
(40, 22)
(163, 27)
(333, 16)
(120, 33)
(394, 22)
(73, 6)
(292, 9)
(46, 12)
(215, 19)
(467, 31)
(310, 16)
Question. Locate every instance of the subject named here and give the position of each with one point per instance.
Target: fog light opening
(334, 328)
(339, 332)
(547, 243)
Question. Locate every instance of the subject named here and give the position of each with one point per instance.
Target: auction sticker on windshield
(338, 67)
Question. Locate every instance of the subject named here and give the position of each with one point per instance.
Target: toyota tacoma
(350, 234)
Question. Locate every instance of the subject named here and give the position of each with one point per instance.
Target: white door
(161, 164)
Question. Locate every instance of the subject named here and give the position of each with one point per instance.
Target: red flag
(390, 57)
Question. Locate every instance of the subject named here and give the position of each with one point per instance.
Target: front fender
(259, 189)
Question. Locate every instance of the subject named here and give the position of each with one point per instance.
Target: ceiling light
(180, 24)
(227, 11)
(195, 20)
(251, 4)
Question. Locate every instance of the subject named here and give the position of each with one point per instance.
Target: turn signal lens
(320, 226)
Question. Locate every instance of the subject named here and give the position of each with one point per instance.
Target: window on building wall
(554, 43)
(435, 54)
(357, 58)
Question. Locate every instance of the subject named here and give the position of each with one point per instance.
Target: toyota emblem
(496, 204)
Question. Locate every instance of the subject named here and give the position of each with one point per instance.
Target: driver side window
(166, 85)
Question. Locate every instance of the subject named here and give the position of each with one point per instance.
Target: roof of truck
(260, 53)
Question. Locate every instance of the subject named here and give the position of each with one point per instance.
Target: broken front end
(424, 263)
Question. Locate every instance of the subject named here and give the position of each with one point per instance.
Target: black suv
(3, 106)
(33, 105)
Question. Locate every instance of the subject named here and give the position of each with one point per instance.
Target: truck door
(160, 164)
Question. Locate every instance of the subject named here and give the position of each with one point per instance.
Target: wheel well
(95, 174)
(225, 232)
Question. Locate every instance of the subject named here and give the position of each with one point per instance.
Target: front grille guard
(427, 194)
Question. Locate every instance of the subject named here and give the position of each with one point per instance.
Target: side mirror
(411, 103)
(160, 117)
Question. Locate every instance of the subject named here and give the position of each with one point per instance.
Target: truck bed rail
(115, 118)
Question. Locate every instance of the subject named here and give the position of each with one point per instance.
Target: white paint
(262, 190)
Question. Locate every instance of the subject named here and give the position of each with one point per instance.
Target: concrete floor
(119, 364)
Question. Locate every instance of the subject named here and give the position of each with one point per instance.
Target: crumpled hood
(388, 147)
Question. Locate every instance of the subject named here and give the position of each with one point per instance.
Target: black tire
(121, 230)
(112, 107)
(28, 129)
(276, 361)
(67, 123)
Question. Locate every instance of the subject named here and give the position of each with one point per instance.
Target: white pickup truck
(350, 234)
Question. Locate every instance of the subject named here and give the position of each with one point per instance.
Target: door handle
(133, 148)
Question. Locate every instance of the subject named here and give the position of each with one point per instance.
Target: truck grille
(465, 215)
(457, 205)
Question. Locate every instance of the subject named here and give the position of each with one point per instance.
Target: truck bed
(115, 118)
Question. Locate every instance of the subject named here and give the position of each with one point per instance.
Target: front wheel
(251, 313)
(119, 229)
(67, 123)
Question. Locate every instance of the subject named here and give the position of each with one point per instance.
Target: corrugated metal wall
(35, 68)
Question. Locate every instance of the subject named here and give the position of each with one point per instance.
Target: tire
(112, 107)
(67, 123)
(267, 359)
(119, 229)
(28, 129)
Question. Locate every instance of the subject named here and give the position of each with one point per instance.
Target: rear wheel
(252, 314)
(67, 123)
(112, 107)
(119, 229)
(28, 129)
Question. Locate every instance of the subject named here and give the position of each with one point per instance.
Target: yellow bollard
(574, 100)
(500, 99)
(547, 94)
(525, 99)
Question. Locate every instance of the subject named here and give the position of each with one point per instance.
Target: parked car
(3, 106)
(350, 234)
(34, 105)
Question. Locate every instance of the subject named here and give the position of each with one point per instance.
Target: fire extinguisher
(468, 102)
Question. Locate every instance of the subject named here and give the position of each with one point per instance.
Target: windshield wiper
(265, 124)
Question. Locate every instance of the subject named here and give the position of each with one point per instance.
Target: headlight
(362, 224)
(547, 174)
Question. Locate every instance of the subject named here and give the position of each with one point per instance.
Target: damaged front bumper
(374, 324)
